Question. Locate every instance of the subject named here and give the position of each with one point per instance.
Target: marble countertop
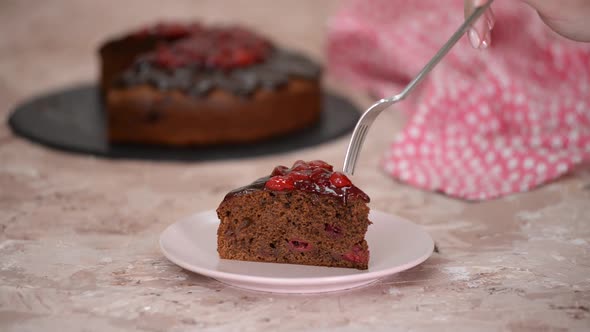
(78, 234)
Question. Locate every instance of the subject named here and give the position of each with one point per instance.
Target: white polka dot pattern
(485, 123)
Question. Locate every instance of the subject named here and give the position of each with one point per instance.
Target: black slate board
(73, 120)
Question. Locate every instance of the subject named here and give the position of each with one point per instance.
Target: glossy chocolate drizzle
(274, 72)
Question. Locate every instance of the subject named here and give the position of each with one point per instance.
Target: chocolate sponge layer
(293, 227)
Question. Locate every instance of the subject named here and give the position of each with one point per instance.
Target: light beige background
(78, 235)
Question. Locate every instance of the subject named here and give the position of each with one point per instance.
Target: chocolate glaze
(343, 194)
(279, 67)
(252, 187)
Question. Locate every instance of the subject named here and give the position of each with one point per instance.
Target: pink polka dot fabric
(485, 123)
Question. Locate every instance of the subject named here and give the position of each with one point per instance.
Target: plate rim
(19, 123)
(365, 275)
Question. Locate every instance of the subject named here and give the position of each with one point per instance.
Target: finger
(491, 18)
(486, 39)
(479, 34)
(474, 38)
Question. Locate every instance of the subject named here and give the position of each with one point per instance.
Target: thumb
(569, 18)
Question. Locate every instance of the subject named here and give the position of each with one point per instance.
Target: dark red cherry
(356, 255)
(279, 183)
(215, 48)
(300, 246)
(319, 174)
(279, 170)
(298, 176)
(321, 164)
(299, 165)
(242, 57)
(340, 180)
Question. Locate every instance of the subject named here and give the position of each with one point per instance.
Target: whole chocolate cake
(187, 84)
(307, 214)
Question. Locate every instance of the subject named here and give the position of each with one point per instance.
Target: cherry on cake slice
(307, 214)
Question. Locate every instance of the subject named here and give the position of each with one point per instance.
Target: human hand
(569, 18)
(480, 33)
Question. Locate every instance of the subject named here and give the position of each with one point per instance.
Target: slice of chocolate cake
(307, 214)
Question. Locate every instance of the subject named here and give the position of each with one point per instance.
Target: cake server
(362, 127)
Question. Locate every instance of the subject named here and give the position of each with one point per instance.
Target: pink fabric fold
(485, 123)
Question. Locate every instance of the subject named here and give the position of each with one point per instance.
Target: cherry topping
(298, 245)
(340, 180)
(279, 170)
(299, 165)
(280, 182)
(167, 57)
(243, 57)
(224, 48)
(315, 176)
(298, 176)
(321, 164)
(318, 174)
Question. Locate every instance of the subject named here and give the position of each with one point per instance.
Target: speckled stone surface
(78, 235)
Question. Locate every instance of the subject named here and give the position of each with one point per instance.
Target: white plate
(395, 245)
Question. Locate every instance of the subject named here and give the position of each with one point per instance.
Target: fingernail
(484, 44)
(491, 18)
(474, 38)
